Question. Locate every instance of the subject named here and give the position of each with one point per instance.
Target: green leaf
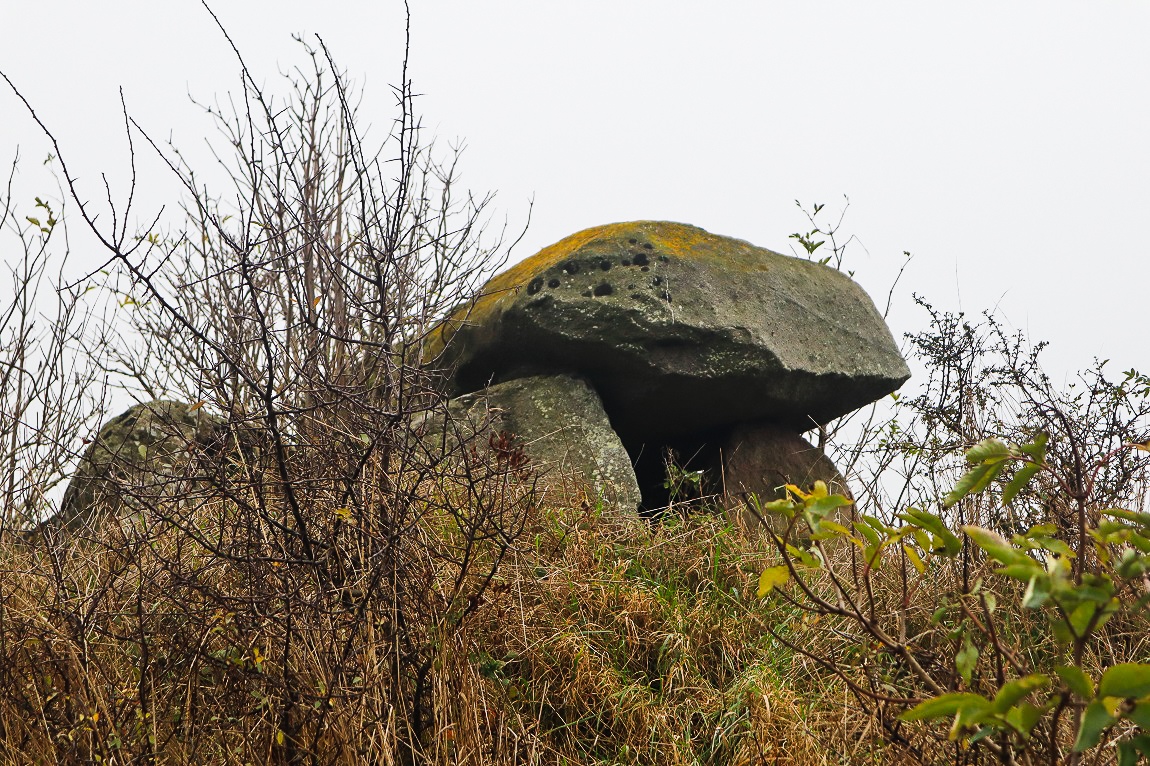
(923, 519)
(1128, 680)
(772, 578)
(951, 544)
(1076, 680)
(1134, 516)
(868, 532)
(945, 705)
(1142, 744)
(1081, 616)
(1037, 448)
(1024, 718)
(835, 527)
(1060, 629)
(915, 559)
(805, 557)
(1095, 720)
(966, 660)
(987, 449)
(996, 546)
(824, 505)
(1037, 592)
(982, 733)
(1025, 572)
(1131, 565)
(1021, 478)
(781, 508)
(975, 480)
(1140, 714)
(1013, 691)
(1127, 755)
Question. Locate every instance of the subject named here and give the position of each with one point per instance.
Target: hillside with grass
(315, 584)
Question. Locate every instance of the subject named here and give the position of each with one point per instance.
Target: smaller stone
(559, 423)
(137, 459)
(763, 458)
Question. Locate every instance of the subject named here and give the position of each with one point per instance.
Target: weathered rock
(137, 458)
(680, 331)
(560, 424)
(761, 459)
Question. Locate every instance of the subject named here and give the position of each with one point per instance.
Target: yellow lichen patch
(669, 239)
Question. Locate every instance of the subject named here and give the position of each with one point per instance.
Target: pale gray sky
(1003, 143)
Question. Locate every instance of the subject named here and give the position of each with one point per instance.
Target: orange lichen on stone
(508, 283)
(666, 238)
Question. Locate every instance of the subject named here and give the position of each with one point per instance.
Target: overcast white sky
(1003, 143)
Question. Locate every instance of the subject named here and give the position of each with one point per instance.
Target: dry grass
(629, 643)
(601, 642)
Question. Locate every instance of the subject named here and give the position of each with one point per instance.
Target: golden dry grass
(601, 641)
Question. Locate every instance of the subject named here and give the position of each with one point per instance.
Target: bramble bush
(1017, 639)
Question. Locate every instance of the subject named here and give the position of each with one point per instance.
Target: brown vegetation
(331, 590)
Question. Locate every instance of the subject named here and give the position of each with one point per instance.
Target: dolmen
(632, 349)
(633, 364)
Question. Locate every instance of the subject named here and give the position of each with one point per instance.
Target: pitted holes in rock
(605, 264)
(535, 286)
(603, 289)
(553, 283)
(571, 267)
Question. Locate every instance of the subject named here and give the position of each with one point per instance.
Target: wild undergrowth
(320, 585)
(600, 641)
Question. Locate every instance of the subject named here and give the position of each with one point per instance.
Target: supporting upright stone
(761, 459)
(559, 423)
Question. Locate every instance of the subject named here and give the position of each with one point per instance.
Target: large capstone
(681, 332)
(558, 424)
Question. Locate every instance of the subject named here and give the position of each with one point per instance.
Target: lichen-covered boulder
(558, 422)
(679, 331)
(137, 459)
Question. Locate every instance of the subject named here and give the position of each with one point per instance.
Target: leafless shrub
(314, 565)
(47, 402)
(983, 381)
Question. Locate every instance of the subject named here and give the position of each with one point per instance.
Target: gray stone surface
(138, 457)
(679, 331)
(560, 423)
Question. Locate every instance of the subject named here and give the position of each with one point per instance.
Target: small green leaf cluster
(49, 218)
(990, 458)
(1059, 703)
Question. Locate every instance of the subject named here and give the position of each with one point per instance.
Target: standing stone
(761, 459)
(560, 424)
